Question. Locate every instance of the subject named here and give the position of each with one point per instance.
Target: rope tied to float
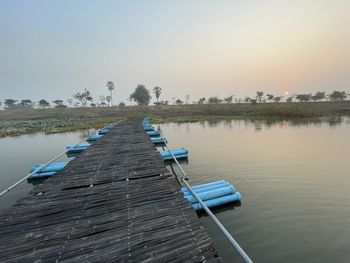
(229, 237)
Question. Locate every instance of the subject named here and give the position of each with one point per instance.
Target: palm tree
(157, 91)
(259, 95)
(110, 85)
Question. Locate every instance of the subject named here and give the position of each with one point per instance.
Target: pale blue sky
(51, 49)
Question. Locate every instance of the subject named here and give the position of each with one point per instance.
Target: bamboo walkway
(116, 202)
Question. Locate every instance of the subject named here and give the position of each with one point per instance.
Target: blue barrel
(77, 149)
(93, 137)
(41, 175)
(148, 128)
(206, 189)
(111, 125)
(53, 167)
(218, 201)
(103, 131)
(81, 146)
(204, 185)
(178, 157)
(212, 194)
(153, 133)
(157, 140)
(175, 151)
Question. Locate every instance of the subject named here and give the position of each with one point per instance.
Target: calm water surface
(294, 180)
(19, 154)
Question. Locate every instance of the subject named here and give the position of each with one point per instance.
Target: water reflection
(220, 209)
(294, 179)
(260, 124)
(19, 154)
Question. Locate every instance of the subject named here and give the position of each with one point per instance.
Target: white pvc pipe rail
(232, 241)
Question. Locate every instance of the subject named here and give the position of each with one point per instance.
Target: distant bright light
(286, 93)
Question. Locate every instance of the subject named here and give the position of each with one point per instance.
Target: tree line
(142, 96)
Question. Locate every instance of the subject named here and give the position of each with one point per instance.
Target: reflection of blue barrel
(153, 133)
(93, 137)
(218, 201)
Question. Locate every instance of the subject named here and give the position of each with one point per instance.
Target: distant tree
(70, 102)
(179, 102)
(247, 99)
(253, 101)
(163, 102)
(214, 100)
(259, 95)
(26, 103)
(93, 105)
(121, 104)
(10, 103)
(157, 91)
(103, 104)
(289, 99)
(201, 100)
(337, 96)
(187, 97)
(141, 95)
(102, 98)
(44, 103)
(83, 97)
(269, 97)
(318, 96)
(228, 99)
(304, 97)
(277, 99)
(173, 99)
(109, 99)
(59, 104)
(110, 85)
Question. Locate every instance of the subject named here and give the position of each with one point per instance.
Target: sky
(53, 49)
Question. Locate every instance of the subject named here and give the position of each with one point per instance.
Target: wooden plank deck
(116, 202)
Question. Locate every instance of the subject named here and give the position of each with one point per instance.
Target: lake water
(19, 154)
(294, 179)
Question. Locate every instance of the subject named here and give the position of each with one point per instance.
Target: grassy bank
(24, 121)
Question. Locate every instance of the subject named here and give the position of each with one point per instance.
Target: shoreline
(29, 121)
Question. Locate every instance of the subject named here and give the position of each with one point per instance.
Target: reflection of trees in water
(203, 124)
(228, 124)
(260, 124)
